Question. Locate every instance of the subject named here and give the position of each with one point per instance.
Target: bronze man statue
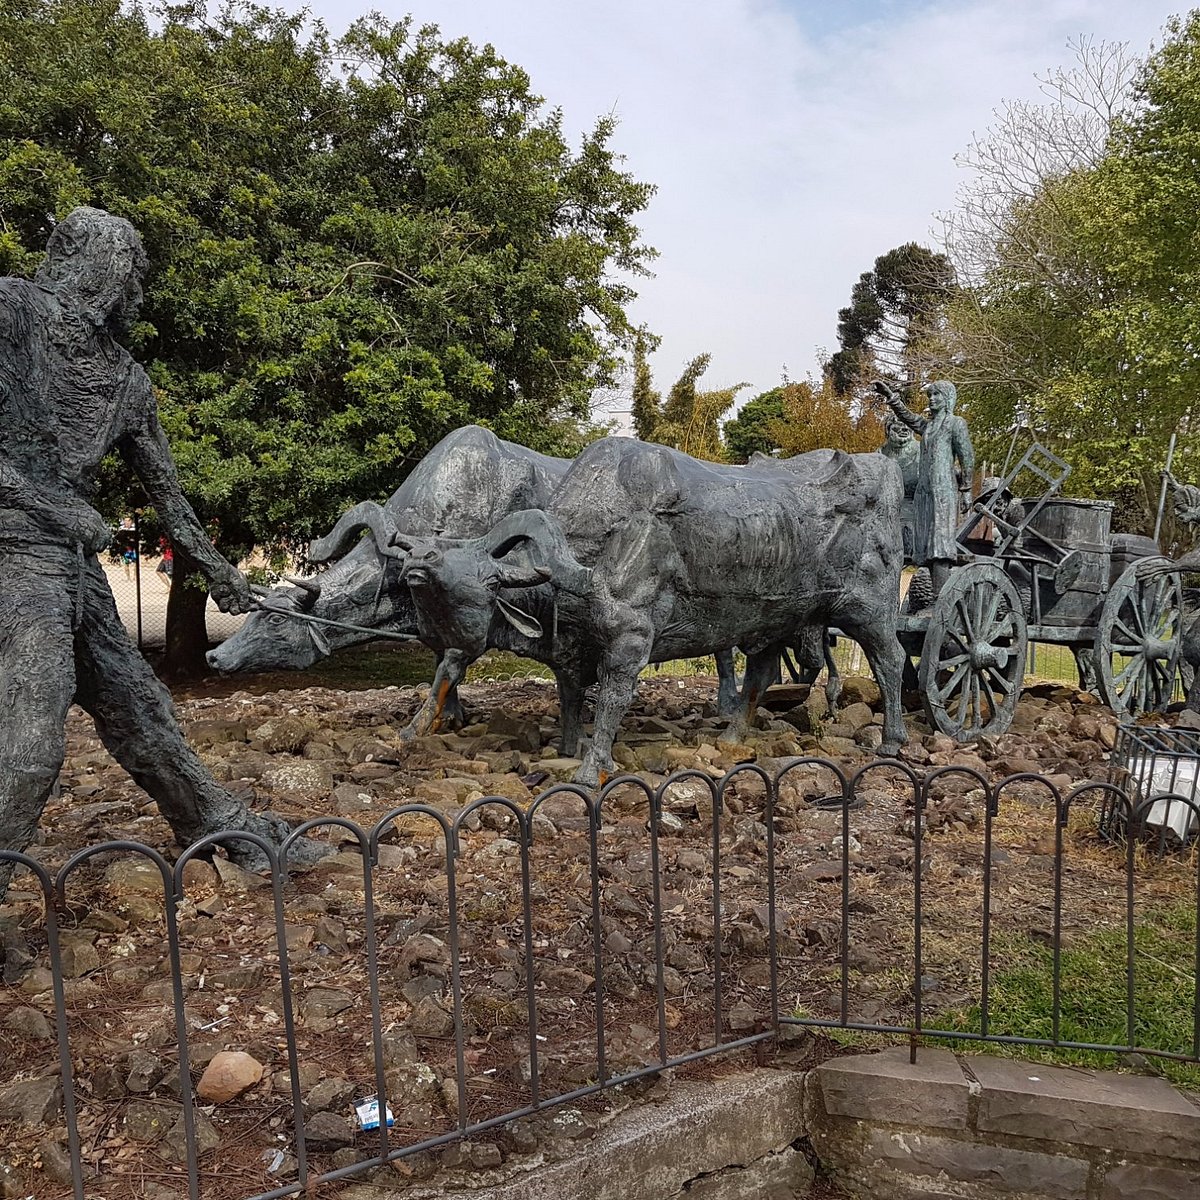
(945, 442)
(70, 394)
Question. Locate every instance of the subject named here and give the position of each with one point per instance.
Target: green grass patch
(1093, 998)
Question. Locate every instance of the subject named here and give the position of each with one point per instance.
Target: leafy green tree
(753, 430)
(1142, 223)
(688, 419)
(646, 403)
(816, 416)
(1079, 319)
(893, 319)
(1017, 329)
(356, 245)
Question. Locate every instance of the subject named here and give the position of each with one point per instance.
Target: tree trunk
(187, 634)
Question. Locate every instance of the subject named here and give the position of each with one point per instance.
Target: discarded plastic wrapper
(368, 1113)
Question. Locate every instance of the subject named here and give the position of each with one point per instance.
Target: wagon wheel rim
(1138, 642)
(973, 656)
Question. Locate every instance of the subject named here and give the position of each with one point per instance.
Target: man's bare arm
(149, 454)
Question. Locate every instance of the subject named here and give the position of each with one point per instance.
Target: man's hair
(946, 389)
(92, 254)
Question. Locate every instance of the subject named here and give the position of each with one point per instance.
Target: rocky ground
(319, 752)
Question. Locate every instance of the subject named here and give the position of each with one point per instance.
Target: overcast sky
(791, 141)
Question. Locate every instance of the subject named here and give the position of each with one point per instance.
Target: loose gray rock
(32, 1101)
(322, 1004)
(330, 1095)
(148, 1121)
(29, 1024)
(328, 1131)
(430, 1020)
(174, 1143)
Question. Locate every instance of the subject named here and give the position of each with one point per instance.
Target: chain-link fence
(140, 573)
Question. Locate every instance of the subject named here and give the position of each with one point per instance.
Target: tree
(891, 325)
(356, 246)
(753, 429)
(816, 416)
(1078, 322)
(646, 403)
(688, 419)
(1017, 328)
(1143, 223)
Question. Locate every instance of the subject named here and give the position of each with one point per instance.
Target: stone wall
(968, 1127)
(978, 1127)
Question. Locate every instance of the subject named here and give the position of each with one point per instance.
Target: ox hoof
(592, 776)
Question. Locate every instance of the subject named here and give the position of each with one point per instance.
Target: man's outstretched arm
(149, 454)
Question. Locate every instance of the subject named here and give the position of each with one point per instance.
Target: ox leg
(887, 658)
(761, 670)
(432, 715)
(617, 684)
(454, 716)
(570, 714)
(727, 688)
(833, 680)
(631, 579)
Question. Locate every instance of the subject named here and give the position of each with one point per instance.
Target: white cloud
(791, 143)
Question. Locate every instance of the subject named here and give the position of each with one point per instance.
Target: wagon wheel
(1137, 643)
(973, 657)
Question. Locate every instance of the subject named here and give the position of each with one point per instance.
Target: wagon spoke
(945, 693)
(977, 599)
(996, 676)
(1132, 665)
(1148, 601)
(1135, 608)
(964, 645)
(988, 624)
(970, 628)
(1133, 637)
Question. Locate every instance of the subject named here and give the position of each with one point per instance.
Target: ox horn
(311, 586)
(365, 515)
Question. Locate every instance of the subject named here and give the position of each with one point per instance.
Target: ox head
(362, 588)
(459, 585)
(270, 639)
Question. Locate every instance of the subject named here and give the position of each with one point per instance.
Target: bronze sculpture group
(631, 554)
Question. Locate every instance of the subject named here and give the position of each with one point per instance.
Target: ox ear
(521, 621)
(319, 640)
